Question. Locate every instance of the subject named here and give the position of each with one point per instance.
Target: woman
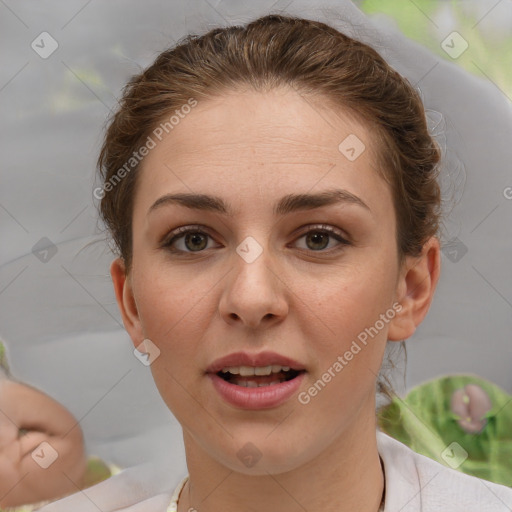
(271, 190)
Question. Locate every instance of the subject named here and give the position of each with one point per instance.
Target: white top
(414, 483)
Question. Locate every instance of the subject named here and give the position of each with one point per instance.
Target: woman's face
(261, 278)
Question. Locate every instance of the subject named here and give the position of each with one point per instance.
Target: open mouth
(256, 381)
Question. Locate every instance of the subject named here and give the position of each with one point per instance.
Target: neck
(345, 476)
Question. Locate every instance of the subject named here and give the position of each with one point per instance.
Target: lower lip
(265, 397)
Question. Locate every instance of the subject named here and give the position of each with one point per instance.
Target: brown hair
(316, 60)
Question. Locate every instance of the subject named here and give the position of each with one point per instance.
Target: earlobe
(126, 301)
(415, 290)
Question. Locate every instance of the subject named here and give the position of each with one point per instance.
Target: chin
(262, 455)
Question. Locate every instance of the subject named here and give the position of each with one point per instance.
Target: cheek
(170, 313)
(168, 298)
(347, 323)
(350, 300)
(174, 311)
(349, 353)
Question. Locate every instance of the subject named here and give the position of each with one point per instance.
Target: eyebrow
(287, 204)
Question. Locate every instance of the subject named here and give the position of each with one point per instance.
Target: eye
(317, 238)
(190, 238)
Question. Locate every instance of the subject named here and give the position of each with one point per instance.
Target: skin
(299, 299)
(22, 480)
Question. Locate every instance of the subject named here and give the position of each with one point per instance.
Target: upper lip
(246, 359)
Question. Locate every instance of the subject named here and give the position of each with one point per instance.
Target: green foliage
(425, 21)
(3, 357)
(425, 422)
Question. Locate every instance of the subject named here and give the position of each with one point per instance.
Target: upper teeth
(247, 371)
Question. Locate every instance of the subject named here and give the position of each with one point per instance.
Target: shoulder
(415, 482)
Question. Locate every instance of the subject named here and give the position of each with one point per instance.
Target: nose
(255, 295)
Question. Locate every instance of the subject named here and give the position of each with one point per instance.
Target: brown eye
(317, 239)
(195, 241)
(189, 239)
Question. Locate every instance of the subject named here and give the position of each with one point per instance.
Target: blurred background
(63, 67)
(486, 25)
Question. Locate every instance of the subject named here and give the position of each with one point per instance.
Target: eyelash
(182, 231)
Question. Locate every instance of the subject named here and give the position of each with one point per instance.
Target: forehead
(261, 141)
(281, 119)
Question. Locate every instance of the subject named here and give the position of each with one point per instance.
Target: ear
(126, 301)
(415, 290)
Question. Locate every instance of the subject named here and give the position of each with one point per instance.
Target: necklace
(382, 502)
